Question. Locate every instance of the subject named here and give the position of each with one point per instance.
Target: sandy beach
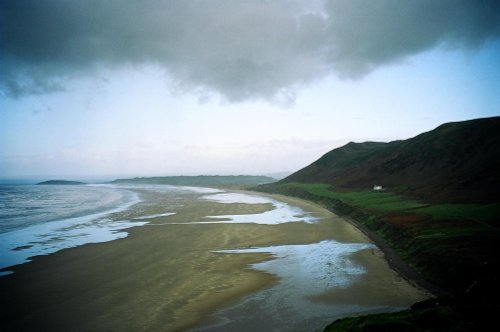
(168, 275)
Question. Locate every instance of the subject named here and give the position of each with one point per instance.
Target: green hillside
(456, 162)
(439, 210)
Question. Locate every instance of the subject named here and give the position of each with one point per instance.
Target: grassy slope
(451, 245)
(388, 201)
(456, 162)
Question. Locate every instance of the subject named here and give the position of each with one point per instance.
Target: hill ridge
(455, 162)
(201, 180)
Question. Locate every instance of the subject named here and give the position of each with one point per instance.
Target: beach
(177, 272)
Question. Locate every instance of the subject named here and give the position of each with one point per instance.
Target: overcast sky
(136, 88)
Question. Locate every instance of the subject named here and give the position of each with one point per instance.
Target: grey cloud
(367, 34)
(240, 49)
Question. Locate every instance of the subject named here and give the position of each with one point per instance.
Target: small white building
(377, 188)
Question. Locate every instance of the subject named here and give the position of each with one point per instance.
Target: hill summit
(456, 162)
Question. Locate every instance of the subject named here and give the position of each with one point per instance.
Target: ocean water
(39, 220)
(23, 206)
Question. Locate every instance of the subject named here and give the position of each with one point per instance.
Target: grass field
(387, 202)
(481, 212)
(381, 201)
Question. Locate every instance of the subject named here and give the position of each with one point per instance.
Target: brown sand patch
(380, 286)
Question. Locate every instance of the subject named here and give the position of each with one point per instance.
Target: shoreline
(397, 263)
(164, 277)
(391, 256)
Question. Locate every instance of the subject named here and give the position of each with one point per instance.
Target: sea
(43, 219)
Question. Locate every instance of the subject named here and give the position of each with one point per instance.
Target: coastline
(394, 260)
(163, 276)
(397, 263)
(92, 225)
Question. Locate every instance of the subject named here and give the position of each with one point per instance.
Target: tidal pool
(304, 270)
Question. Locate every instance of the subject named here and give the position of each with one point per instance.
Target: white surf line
(17, 247)
(155, 216)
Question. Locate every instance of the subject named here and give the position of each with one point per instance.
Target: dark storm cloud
(366, 34)
(241, 49)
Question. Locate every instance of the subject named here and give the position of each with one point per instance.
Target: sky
(103, 89)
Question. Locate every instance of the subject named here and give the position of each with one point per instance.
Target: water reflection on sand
(304, 270)
(280, 212)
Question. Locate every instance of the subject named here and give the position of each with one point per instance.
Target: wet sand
(165, 276)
